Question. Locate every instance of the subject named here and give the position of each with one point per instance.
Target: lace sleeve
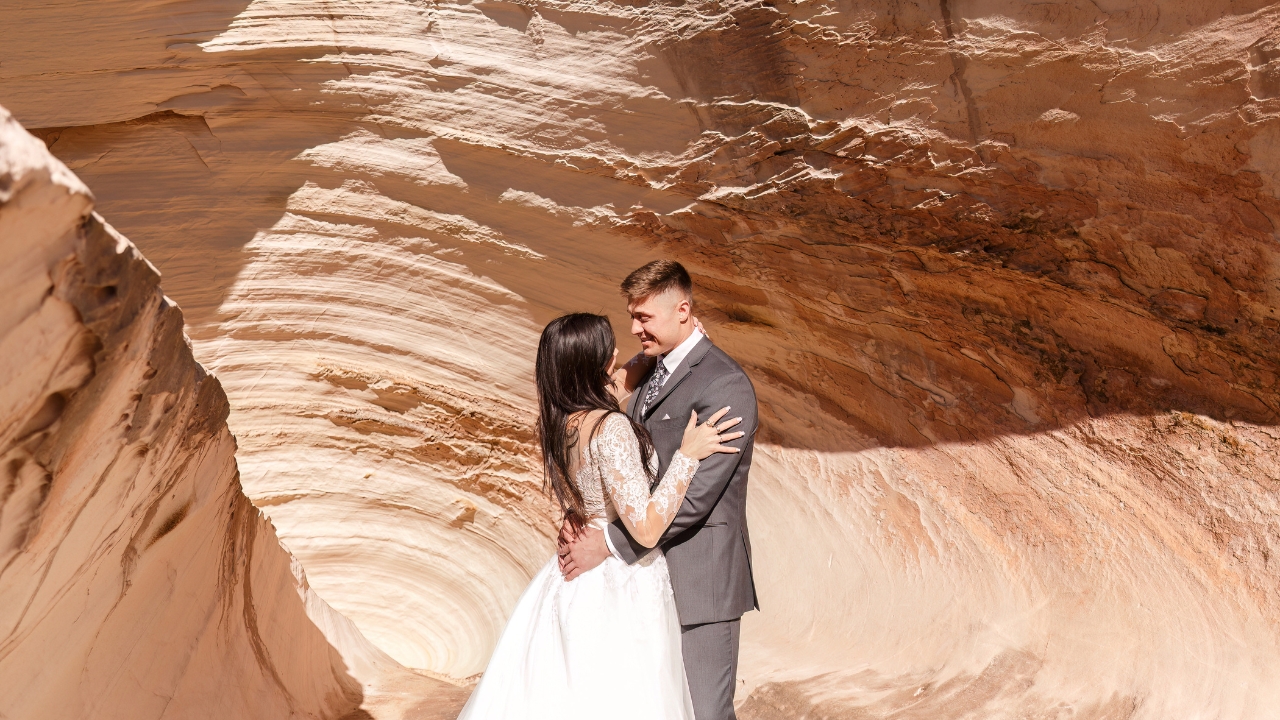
(616, 453)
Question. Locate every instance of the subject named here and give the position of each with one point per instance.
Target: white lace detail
(611, 468)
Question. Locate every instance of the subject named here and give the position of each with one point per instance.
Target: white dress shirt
(672, 360)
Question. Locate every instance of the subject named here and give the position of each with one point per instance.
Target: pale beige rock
(136, 580)
(1005, 275)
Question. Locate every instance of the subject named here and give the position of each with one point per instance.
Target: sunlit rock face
(136, 579)
(1005, 276)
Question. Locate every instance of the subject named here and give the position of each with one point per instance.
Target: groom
(707, 547)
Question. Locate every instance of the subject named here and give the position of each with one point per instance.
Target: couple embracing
(638, 615)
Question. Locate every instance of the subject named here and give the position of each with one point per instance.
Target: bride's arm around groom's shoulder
(647, 513)
(720, 382)
(726, 384)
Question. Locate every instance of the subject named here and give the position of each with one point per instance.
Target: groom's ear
(684, 309)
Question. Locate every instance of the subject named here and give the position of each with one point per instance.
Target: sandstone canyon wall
(1005, 274)
(136, 579)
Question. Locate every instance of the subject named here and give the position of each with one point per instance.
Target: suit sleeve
(714, 473)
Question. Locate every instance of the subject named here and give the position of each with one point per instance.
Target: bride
(606, 644)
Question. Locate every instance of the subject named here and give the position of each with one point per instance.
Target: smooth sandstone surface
(1005, 275)
(136, 579)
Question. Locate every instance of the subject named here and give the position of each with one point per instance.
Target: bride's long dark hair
(573, 354)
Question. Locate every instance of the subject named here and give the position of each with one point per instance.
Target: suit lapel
(694, 357)
(633, 404)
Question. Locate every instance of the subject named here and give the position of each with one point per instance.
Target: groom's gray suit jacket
(707, 546)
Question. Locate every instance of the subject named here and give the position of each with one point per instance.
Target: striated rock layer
(136, 579)
(1005, 275)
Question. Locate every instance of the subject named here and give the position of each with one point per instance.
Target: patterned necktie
(655, 384)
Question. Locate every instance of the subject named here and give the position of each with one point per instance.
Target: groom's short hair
(656, 278)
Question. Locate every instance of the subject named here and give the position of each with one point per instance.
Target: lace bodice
(611, 477)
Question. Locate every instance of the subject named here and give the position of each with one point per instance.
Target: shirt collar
(673, 359)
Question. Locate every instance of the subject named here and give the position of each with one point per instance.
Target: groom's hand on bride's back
(580, 550)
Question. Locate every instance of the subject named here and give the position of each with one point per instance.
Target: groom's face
(660, 321)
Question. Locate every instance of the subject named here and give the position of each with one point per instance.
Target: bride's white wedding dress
(606, 644)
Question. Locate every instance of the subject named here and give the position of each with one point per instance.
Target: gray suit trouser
(711, 665)
(707, 546)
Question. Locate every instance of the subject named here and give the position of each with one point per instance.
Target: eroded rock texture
(136, 579)
(1005, 275)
